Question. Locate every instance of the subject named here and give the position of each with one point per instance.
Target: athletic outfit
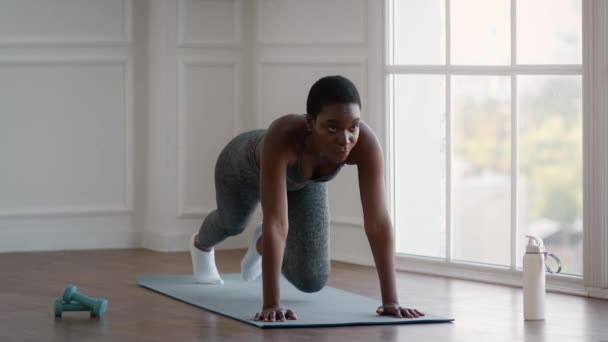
(237, 185)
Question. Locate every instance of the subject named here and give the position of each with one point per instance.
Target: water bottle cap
(535, 245)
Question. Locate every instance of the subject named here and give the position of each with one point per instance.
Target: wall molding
(201, 212)
(183, 211)
(178, 241)
(81, 237)
(124, 39)
(347, 221)
(195, 212)
(125, 208)
(185, 42)
(67, 211)
(306, 61)
(355, 40)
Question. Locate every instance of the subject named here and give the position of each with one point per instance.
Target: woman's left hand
(398, 311)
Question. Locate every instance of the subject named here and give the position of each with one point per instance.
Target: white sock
(203, 265)
(251, 265)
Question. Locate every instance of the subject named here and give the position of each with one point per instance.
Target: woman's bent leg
(236, 189)
(237, 195)
(306, 258)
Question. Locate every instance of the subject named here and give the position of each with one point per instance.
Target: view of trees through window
(547, 94)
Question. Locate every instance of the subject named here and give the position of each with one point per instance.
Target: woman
(286, 167)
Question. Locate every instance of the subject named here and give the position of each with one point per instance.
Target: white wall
(196, 86)
(135, 99)
(66, 132)
(221, 67)
(301, 41)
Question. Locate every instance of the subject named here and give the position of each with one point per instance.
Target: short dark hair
(329, 90)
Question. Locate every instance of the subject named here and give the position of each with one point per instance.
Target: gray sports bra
(293, 171)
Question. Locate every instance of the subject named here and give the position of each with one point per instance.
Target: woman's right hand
(275, 313)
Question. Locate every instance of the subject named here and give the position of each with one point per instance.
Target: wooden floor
(31, 281)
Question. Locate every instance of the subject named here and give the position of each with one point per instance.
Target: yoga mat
(240, 300)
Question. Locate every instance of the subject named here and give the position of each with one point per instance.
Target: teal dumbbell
(97, 306)
(60, 307)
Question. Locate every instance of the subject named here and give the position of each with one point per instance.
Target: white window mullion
(514, 170)
(513, 33)
(486, 69)
(448, 32)
(390, 82)
(514, 138)
(448, 156)
(391, 31)
(448, 138)
(548, 69)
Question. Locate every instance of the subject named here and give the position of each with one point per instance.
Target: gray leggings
(237, 186)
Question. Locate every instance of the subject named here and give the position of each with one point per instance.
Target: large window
(485, 100)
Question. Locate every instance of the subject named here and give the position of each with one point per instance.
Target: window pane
(419, 111)
(481, 166)
(549, 38)
(481, 32)
(419, 32)
(550, 166)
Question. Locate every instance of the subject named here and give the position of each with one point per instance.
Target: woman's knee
(235, 228)
(231, 225)
(308, 282)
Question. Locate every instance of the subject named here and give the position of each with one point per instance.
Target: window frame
(594, 281)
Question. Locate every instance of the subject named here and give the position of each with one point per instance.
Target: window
(485, 107)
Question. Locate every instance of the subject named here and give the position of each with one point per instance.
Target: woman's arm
(273, 192)
(378, 226)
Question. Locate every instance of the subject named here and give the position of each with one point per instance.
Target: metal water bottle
(534, 278)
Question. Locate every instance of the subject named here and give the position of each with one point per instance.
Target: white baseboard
(600, 293)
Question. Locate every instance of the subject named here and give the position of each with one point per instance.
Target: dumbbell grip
(85, 300)
(74, 307)
(61, 307)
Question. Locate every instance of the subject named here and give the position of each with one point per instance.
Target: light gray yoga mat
(241, 300)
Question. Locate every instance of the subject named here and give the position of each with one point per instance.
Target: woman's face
(336, 130)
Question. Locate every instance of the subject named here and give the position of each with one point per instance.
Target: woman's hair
(330, 90)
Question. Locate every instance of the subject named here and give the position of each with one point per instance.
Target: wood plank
(483, 312)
